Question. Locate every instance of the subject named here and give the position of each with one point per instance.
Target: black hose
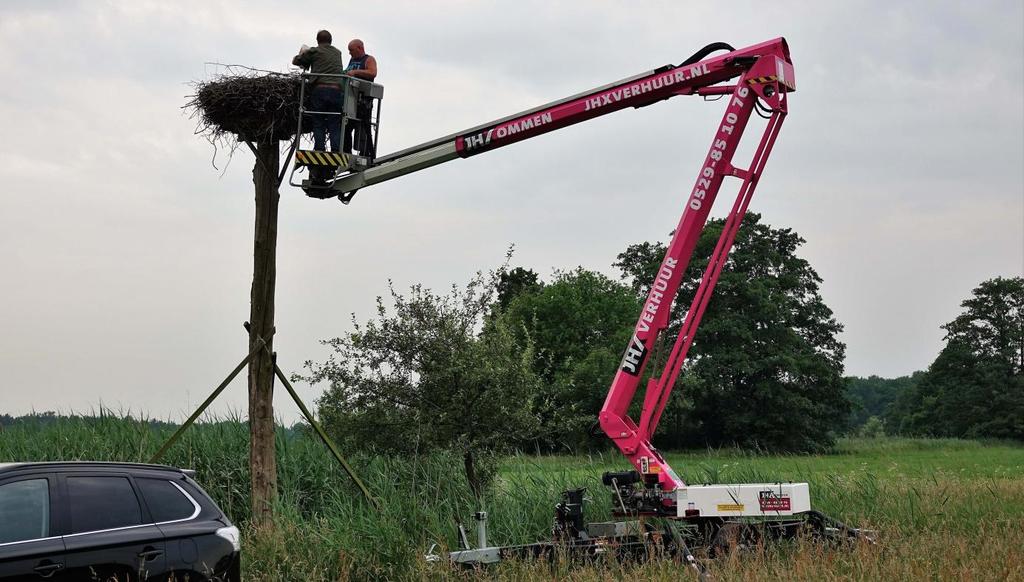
(699, 55)
(694, 58)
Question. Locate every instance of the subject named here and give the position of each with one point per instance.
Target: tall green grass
(941, 507)
(318, 506)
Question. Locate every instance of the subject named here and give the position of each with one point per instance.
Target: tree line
(48, 417)
(514, 361)
(975, 386)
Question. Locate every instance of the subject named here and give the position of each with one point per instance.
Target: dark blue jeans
(326, 99)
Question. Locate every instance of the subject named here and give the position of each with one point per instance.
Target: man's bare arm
(369, 73)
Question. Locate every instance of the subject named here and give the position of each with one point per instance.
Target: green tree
(765, 366)
(975, 387)
(578, 323)
(873, 428)
(422, 376)
(516, 282)
(872, 396)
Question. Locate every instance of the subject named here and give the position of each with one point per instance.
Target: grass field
(943, 509)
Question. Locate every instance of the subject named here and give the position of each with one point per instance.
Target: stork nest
(246, 104)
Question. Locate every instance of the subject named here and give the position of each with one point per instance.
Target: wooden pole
(262, 463)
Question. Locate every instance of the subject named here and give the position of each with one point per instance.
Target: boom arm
(769, 78)
(765, 74)
(638, 91)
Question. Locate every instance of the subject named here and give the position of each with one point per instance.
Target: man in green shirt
(326, 94)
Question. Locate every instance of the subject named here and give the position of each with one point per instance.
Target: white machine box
(743, 500)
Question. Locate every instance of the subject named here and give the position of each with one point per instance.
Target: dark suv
(111, 521)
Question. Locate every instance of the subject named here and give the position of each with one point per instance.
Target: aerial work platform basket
(316, 171)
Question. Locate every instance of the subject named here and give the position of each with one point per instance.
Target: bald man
(361, 66)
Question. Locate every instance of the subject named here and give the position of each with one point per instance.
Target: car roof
(57, 465)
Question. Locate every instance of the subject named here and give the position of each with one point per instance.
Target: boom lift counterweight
(764, 77)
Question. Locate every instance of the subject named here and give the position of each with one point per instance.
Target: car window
(25, 507)
(166, 502)
(98, 503)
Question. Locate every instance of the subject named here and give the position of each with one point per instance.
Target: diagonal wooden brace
(202, 407)
(319, 429)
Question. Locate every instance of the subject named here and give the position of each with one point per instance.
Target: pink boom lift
(763, 77)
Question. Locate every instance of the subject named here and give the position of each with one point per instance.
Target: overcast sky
(127, 257)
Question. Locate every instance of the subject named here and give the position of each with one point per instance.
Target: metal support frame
(357, 162)
(287, 161)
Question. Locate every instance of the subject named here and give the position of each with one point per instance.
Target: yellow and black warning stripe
(762, 80)
(315, 158)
